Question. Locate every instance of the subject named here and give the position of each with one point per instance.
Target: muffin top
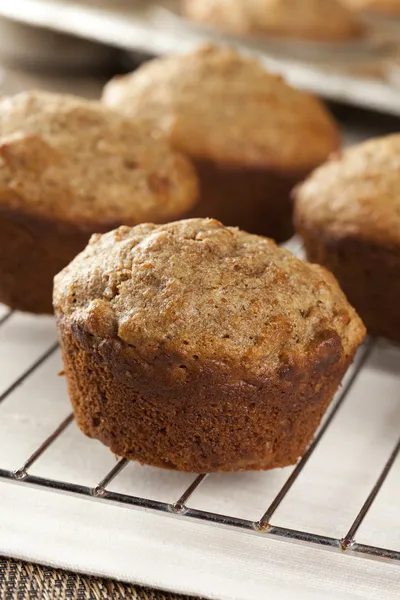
(73, 160)
(326, 20)
(376, 6)
(356, 193)
(196, 289)
(216, 105)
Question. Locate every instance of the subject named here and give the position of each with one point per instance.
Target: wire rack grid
(180, 508)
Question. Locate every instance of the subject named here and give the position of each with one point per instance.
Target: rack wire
(180, 508)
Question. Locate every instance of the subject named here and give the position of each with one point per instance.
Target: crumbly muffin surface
(356, 194)
(214, 104)
(199, 290)
(71, 159)
(313, 19)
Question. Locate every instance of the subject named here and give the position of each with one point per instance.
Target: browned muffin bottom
(249, 134)
(69, 168)
(197, 347)
(245, 191)
(32, 251)
(369, 274)
(348, 214)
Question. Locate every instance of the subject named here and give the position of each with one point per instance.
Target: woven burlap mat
(25, 581)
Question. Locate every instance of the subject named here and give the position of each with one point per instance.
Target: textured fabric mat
(26, 581)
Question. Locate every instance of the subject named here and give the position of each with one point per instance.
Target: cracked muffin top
(324, 20)
(199, 291)
(356, 193)
(70, 159)
(216, 105)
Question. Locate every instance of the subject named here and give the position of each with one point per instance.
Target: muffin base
(32, 252)
(256, 200)
(369, 274)
(195, 416)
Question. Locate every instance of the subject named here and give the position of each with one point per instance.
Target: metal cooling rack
(180, 509)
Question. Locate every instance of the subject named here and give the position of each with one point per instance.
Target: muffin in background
(199, 347)
(318, 20)
(251, 136)
(348, 213)
(384, 7)
(70, 167)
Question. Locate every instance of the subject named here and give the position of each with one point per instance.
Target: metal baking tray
(364, 73)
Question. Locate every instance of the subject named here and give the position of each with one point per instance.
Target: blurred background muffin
(348, 213)
(69, 167)
(389, 7)
(251, 136)
(324, 20)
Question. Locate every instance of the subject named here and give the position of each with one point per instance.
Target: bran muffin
(348, 214)
(251, 136)
(199, 347)
(319, 20)
(70, 167)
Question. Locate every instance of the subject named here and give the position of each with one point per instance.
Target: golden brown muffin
(389, 7)
(199, 347)
(68, 168)
(348, 213)
(320, 20)
(251, 136)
